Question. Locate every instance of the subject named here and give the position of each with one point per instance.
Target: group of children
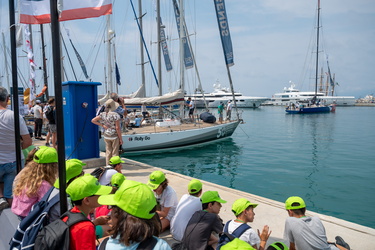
(133, 214)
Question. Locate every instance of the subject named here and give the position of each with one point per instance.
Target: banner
(164, 48)
(32, 65)
(226, 41)
(118, 78)
(38, 11)
(188, 59)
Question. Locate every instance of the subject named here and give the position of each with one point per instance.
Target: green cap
(194, 186)
(240, 205)
(86, 186)
(278, 246)
(294, 199)
(156, 178)
(115, 160)
(73, 168)
(117, 179)
(237, 244)
(45, 155)
(210, 196)
(133, 197)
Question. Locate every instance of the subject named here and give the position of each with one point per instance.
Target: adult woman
(133, 218)
(110, 121)
(165, 195)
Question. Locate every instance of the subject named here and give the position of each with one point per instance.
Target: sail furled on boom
(38, 12)
(226, 41)
(188, 59)
(164, 47)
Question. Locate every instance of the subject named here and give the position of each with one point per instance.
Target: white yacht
(220, 94)
(292, 95)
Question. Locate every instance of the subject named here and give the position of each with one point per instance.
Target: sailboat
(174, 133)
(314, 105)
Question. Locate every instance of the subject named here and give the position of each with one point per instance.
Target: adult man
(191, 105)
(51, 117)
(8, 166)
(84, 193)
(229, 110)
(114, 167)
(244, 212)
(187, 206)
(200, 228)
(220, 111)
(38, 120)
(304, 232)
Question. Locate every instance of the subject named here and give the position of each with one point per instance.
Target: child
(166, 197)
(33, 182)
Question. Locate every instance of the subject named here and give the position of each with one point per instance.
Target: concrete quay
(268, 212)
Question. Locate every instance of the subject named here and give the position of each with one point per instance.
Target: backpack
(226, 239)
(49, 114)
(29, 227)
(147, 244)
(56, 235)
(99, 171)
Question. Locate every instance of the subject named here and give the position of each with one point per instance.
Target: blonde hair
(30, 178)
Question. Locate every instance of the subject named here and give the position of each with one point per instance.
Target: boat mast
(44, 61)
(109, 54)
(317, 52)
(140, 17)
(5, 60)
(158, 45)
(182, 36)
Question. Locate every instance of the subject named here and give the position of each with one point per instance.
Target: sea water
(328, 159)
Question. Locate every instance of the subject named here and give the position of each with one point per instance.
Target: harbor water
(328, 159)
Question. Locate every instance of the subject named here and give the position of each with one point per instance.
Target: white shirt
(187, 206)
(7, 145)
(168, 199)
(38, 113)
(192, 104)
(250, 236)
(105, 179)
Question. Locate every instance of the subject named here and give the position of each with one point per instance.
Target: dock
(268, 212)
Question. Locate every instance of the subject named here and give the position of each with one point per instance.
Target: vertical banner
(164, 48)
(222, 22)
(188, 59)
(30, 57)
(118, 78)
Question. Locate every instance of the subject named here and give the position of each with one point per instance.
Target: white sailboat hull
(174, 138)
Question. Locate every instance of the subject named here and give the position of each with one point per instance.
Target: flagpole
(15, 101)
(55, 30)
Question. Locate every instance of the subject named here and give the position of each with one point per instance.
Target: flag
(222, 22)
(38, 11)
(118, 78)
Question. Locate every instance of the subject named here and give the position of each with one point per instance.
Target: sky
(270, 42)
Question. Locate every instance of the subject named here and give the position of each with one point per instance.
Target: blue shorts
(8, 172)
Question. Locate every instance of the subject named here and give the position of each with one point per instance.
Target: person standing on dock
(38, 120)
(187, 206)
(110, 121)
(8, 164)
(199, 233)
(305, 232)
